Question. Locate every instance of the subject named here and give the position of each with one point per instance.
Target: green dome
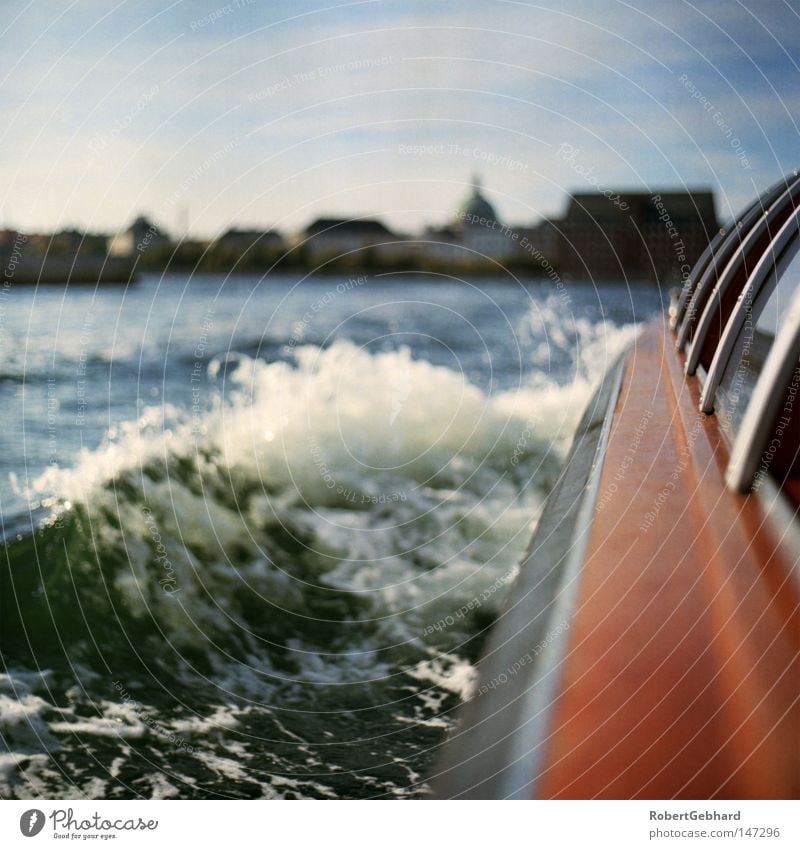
(476, 207)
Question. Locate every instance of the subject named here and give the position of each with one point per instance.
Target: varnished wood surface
(681, 678)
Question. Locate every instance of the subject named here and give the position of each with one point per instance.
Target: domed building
(475, 235)
(480, 229)
(476, 210)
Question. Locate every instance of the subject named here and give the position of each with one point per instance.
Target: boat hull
(650, 648)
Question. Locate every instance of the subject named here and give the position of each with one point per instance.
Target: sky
(205, 114)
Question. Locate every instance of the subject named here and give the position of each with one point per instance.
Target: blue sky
(271, 113)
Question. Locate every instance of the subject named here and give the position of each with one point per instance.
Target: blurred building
(475, 235)
(333, 238)
(263, 241)
(634, 235)
(7, 240)
(141, 235)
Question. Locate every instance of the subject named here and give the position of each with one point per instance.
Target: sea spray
(293, 579)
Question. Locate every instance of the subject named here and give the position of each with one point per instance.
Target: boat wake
(266, 594)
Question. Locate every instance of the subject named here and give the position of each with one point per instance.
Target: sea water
(256, 530)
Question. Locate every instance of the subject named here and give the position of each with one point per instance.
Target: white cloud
(350, 84)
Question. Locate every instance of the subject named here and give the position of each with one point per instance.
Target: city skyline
(254, 114)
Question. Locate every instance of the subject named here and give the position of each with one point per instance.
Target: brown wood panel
(682, 675)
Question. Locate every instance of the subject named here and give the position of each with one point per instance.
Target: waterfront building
(141, 235)
(331, 238)
(635, 236)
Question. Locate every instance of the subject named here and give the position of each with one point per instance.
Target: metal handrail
(755, 282)
(750, 449)
(732, 269)
(722, 256)
(694, 276)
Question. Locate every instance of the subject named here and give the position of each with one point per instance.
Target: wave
(334, 532)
